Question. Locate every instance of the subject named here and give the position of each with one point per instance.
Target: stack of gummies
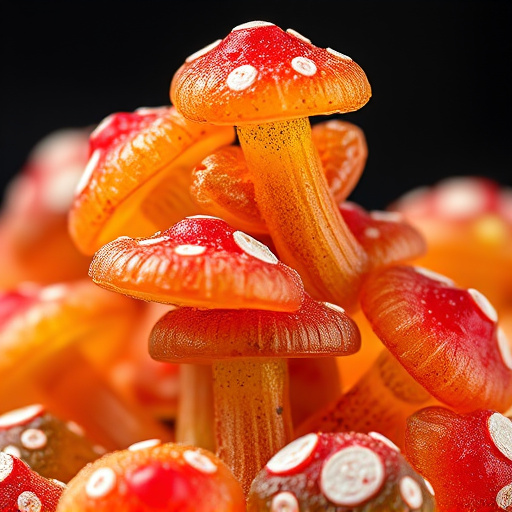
(305, 354)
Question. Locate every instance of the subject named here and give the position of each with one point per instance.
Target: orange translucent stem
(195, 420)
(252, 414)
(294, 199)
(380, 402)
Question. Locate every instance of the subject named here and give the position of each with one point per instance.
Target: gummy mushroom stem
(291, 191)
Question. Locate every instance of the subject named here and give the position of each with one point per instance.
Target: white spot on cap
(53, 292)
(57, 192)
(254, 248)
(203, 217)
(142, 445)
(252, 24)
(483, 303)
(504, 347)
(386, 216)
(88, 171)
(500, 429)
(373, 233)
(284, 502)
(383, 439)
(304, 66)
(293, 454)
(75, 428)
(459, 197)
(504, 497)
(100, 483)
(152, 241)
(352, 476)
(29, 502)
(338, 54)
(189, 250)
(33, 439)
(411, 492)
(203, 51)
(334, 307)
(200, 462)
(429, 487)
(20, 416)
(6, 465)
(12, 450)
(242, 77)
(298, 35)
(434, 275)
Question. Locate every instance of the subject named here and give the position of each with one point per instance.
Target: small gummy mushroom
(138, 174)
(447, 338)
(343, 471)
(50, 446)
(24, 490)
(154, 477)
(466, 458)
(56, 343)
(268, 82)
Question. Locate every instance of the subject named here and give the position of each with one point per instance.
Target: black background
(440, 74)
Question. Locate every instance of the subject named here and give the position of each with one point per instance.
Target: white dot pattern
(352, 476)
(75, 428)
(411, 492)
(33, 439)
(334, 307)
(200, 462)
(254, 248)
(293, 454)
(29, 502)
(203, 51)
(189, 250)
(504, 497)
(338, 54)
(304, 66)
(386, 216)
(434, 275)
(504, 347)
(298, 35)
(6, 465)
(372, 233)
(242, 77)
(429, 487)
(483, 303)
(500, 429)
(100, 483)
(142, 445)
(284, 502)
(252, 24)
(12, 450)
(152, 241)
(20, 416)
(383, 439)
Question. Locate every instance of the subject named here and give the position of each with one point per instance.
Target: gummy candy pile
(195, 317)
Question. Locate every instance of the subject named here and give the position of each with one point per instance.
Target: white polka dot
(298, 35)
(88, 172)
(200, 462)
(284, 502)
(411, 492)
(152, 241)
(242, 77)
(103, 125)
(459, 197)
(189, 250)
(500, 429)
(203, 51)
(100, 483)
(504, 347)
(12, 450)
(352, 476)
(483, 303)
(372, 233)
(53, 292)
(383, 439)
(304, 66)
(57, 192)
(293, 454)
(252, 24)
(29, 502)
(203, 217)
(75, 428)
(142, 445)
(58, 482)
(6, 465)
(429, 487)
(386, 216)
(504, 497)
(254, 248)
(33, 439)
(338, 54)
(334, 307)
(434, 275)
(20, 416)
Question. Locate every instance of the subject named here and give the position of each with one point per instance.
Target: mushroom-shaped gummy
(268, 82)
(24, 490)
(466, 458)
(50, 446)
(344, 471)
(154, 477)
(56, 343)
(138, 174)
(447, 338)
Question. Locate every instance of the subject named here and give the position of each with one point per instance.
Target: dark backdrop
(440, 74)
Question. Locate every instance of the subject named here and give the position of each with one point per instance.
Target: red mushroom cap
(262, 73)
(446, 337)
(200, 262)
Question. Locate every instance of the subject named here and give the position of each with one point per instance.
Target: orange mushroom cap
(201, 262)
(261, 73)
